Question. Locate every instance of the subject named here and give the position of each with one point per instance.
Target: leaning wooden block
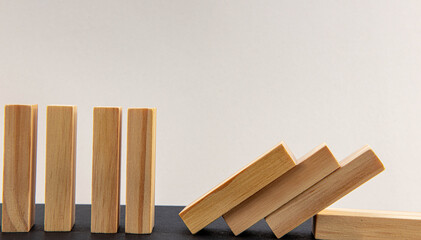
(310, 169)
(237, 188)
(366, 224)
(140, 178)
(105, 212)
(60, 168)
(20, 153)
(355, 170)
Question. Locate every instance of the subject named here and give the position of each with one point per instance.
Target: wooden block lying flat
(140, 178)
(366, 224)
(355, 170)
(105, 212)
(238, 188)
(20, 152)
(60, 168)
(310, 169)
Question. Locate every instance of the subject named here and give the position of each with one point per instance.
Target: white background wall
(230, 80)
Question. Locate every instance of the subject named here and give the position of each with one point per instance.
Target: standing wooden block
(238, 188)
(60, 168)
(350, 224)
(20, 153)
(105, 212)
(355, 170)
(310, 169)
(140, 178)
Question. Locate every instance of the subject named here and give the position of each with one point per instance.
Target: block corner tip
(283, 144)
(278, 236)
(181, 213)
(367, 147)
(325, 146)
(236, 233)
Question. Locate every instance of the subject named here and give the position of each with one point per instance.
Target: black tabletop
(168, 225)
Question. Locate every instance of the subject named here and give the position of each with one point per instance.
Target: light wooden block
(355, 170)
(105, 212)
(310, 169)
(60, 168)
(140, 177)
(19, 169)
(238, 188)
(351, 224)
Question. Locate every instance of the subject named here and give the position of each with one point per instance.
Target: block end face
(380, 163)
(183, 217)
(291, 156)
(234, 229)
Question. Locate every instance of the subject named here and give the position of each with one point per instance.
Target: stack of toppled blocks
(283, 191)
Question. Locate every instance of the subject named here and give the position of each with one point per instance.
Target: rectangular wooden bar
(238, 188)
(105, 212)
(19, 169)
(140, 178)
(350, 224)
(310, 169)
(60, 168)
(355, 170)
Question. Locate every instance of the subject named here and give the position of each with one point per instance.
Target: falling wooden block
(237, 188)
(105, 212)
(310, 169)
(355, 170)
(20, 153)
(60, 168)
(140, 178)
(350, 224)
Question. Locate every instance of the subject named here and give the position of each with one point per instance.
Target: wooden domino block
(105, 212)
(310, 169)
(60, 168)
(20, 152)
(140, 178)
(237, 188)
(355, 170)
(350, 224)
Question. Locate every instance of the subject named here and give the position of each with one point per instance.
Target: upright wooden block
(20, 153)
(60, 168)
(237, 188)
(105, 210)
(355, 170)
(310, 169)
(351, 224)
(140, 178)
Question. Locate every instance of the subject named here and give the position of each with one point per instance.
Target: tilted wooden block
(60, 168)
(237, 188)
(351, 224)
(140, 178)
(310, 169)
(20, 153)
(105, 212)
(355, 170)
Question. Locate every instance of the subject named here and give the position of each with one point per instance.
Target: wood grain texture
(60, 168)
(140, 177)
(238, 188)
(105, 210)
(19, 169)
(310, 169)
(355, 170)
(352, 224)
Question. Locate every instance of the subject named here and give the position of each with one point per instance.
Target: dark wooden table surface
(168, 225)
